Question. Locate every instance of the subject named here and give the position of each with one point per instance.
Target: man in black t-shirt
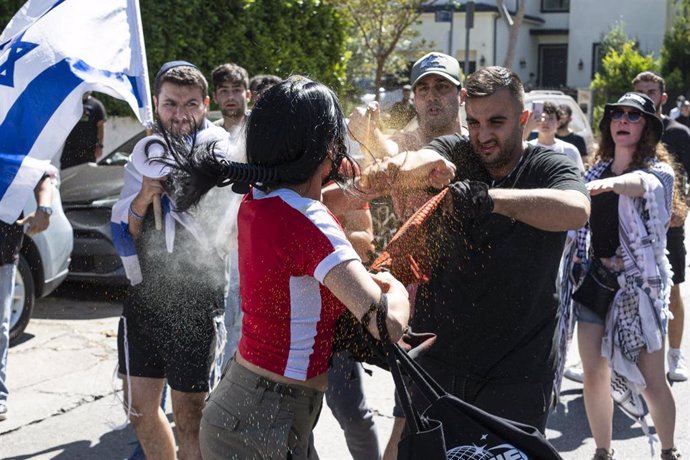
(85, 142)
(676, 138)
(491, 298)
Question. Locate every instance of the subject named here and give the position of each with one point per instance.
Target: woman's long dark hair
(291, 130)
(293, 127)
(648, 147)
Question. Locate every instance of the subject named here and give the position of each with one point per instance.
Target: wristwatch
(45, 210)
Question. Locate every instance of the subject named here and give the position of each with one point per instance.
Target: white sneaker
(3, 411)
(574, 373)
(677, 369)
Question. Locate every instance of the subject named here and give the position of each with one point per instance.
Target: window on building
(597, 58)
(555, 6)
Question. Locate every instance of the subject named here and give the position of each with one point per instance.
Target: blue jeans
(7, 276)
(345, 397)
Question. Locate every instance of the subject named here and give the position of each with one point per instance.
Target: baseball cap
(636, 101)
(436, 63)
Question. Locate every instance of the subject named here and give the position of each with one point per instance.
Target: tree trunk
(380, 63)
(514, 31)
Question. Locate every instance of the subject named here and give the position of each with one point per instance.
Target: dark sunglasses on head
(633, 117)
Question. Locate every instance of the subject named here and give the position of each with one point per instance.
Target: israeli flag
(51, 53)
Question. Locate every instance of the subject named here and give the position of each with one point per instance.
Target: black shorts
(154, 351)
(675, 244)
(11, 236)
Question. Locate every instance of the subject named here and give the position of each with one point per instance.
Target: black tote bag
(449, 428)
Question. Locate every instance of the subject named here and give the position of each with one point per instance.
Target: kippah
(172, 64)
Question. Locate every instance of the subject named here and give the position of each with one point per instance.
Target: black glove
(471, 198)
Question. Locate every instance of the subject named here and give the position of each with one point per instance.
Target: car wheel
(22, 300)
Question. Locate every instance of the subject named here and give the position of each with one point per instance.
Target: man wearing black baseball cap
(175, 303)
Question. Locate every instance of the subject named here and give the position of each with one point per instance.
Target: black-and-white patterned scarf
(639, 313)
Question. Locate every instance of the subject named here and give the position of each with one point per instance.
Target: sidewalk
(62, 403)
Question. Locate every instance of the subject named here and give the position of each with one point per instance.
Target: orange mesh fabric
(407, 256)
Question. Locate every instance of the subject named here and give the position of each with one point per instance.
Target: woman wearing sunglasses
(632, 188)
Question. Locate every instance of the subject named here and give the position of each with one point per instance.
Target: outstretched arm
(546, 209)
(626, 184)
(408, 171)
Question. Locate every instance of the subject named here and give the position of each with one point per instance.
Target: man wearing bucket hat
(676, 138)
(172, 314)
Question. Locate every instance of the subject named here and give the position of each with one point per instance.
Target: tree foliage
(280, 37)
(619, 67)
(675, 53)
(615, 38)
(381, 32)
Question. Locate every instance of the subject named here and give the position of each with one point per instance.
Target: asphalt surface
(64, 402)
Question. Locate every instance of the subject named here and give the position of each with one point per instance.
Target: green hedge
(280, 37)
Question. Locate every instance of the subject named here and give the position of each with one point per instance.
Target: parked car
(579, 124)
(43, 263)
(89, 191)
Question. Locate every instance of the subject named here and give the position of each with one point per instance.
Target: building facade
(558, 46)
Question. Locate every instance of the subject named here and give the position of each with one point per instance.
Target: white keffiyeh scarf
(639, 313)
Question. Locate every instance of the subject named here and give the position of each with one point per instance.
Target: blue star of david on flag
(18, 48)
(44, 72)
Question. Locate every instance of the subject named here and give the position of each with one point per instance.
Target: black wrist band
(381, 316)
(366, 317)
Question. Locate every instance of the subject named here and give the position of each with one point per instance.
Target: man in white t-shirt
(547, 125)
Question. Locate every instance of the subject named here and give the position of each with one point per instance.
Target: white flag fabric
(51, 53)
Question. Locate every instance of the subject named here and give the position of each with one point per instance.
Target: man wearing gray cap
(435, 82)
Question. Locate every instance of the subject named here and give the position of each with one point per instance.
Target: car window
(120, 155)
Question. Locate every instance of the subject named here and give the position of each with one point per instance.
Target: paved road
(64, 403)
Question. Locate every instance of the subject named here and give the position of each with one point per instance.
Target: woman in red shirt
(298, 274)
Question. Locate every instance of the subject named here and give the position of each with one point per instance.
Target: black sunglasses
(633, 117)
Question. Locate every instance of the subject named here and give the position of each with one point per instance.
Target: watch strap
(45, 209)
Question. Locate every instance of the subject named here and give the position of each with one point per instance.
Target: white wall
(481, 36)
(645, 21)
